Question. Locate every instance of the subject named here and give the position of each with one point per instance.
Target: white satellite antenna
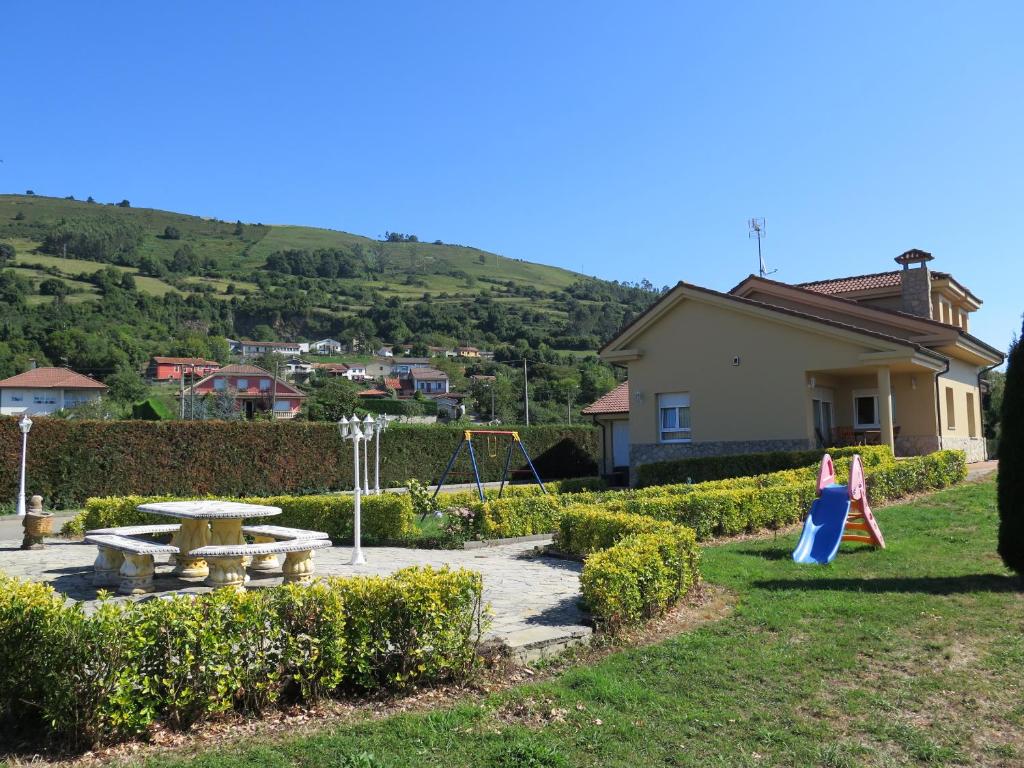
(755, 229)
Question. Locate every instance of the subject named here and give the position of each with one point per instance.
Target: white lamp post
(24, 424)
(367, 435)
(382, 424)
(350, 430)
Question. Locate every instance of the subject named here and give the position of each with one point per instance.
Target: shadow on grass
(786, 553)
(931, 585)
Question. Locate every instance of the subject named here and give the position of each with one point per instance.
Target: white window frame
(674, 402)
(242, 385)
(220, 384)
(282, 406)
(264, 385)
(858, 394)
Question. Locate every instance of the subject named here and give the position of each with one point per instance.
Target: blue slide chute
(823, 529)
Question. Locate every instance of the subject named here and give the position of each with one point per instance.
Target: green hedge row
(387, 517)
(724, 507)
(71, 460)
(81, 680)
(702, 469)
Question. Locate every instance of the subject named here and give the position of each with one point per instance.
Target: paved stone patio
(535, 601)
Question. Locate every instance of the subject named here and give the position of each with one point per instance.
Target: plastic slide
(823, 529)
(840, 513)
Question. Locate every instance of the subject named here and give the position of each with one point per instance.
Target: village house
(47, 390)
(174, 368)
(350, 371)
(884, 358)
(326, 347)
(427, 380)
(296, 368)
(402, 365)
(468, 352)
(253, 389)
(255, 348)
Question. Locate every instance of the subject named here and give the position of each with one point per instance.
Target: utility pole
(492, 397)
(526, 392)
(273, 391)
(181, 392)
(192, 394)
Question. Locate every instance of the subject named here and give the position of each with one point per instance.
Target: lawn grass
(909, 656)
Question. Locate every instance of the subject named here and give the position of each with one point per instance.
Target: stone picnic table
(205, 523)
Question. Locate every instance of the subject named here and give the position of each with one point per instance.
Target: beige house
(882, 358)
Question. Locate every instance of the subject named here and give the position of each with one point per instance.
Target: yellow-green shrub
(583, 530)
(518, 515)
(84, 679)
(388, 516)
(640, 576)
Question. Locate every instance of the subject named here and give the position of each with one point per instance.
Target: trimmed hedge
(725, 507)
(640, 576)
(387, 517)
(70, 460)
(702, 469)
(585, 529)
(83, 680)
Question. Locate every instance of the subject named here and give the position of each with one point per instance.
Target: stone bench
(135, 530)
(226, 560)
(265, 534)
(126, 561)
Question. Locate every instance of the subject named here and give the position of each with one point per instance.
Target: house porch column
(885, 407)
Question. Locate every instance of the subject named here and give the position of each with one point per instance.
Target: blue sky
(629, 140)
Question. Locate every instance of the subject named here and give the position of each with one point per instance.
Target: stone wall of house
(974, 447)
(645, 453)
(916, 445)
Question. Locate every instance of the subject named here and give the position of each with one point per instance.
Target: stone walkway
(535, 601)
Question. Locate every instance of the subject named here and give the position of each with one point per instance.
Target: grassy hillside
(405, 269)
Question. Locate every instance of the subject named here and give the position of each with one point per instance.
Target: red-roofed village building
(173, 368)
(254, 390)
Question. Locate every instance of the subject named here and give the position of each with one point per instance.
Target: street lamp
(367, 434)
(382, 424)
(24, 424)
(350, 430)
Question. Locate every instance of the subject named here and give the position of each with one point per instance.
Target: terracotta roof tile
(616, 401)
(52, 378)
(862, 282)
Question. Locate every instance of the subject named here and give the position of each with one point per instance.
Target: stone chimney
(31, 363)
(916, 283)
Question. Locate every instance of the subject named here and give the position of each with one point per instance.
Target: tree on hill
(124, 204)
(1011, 463)
(97, 239)
(171, 233)
(125, 385)
(333, 399)
(19, 216)
(7, 252)
(53, 286)
(239, 229)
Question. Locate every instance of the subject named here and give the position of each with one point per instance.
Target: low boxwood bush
(701, 469)
(518, 515)
(387, 517)
(640, 576)
(81, 680)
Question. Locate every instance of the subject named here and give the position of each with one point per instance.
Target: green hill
(102, 287)
(25, 221)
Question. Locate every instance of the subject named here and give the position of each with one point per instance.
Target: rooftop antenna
(755, 228)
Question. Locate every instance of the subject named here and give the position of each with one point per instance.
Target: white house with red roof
(253, 389)
(47, 390)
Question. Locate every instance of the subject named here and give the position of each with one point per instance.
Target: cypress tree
(1011, 463)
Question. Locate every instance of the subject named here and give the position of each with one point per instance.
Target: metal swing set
(491, 438)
